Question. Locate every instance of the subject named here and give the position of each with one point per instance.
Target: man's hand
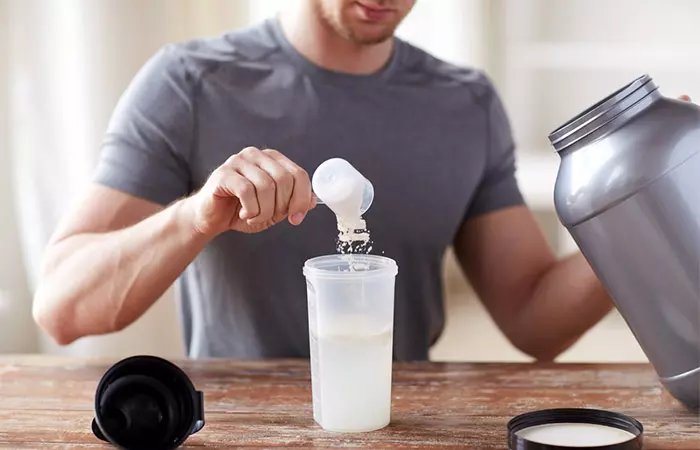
(250, 192)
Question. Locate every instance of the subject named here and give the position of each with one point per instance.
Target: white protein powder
(353, 235)
(343, 195)
(575, 434)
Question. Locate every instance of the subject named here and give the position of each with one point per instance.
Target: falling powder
(353, 235)
(341, 187)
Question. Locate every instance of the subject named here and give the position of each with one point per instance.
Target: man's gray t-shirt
(433, 138)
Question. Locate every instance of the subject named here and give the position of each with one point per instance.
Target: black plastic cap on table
(146, 402)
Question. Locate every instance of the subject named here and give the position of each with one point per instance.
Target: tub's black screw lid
(146, 402)
(574, 415)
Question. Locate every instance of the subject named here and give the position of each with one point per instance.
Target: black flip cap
(574, 415)
(146, 402)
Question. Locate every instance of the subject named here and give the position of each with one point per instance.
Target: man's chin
(365, 38)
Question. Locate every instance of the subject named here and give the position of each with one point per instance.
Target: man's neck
(320, 44)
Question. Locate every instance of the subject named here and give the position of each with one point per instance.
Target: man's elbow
(57, 318)
(53, 320)
(539, 350)
(541, 355)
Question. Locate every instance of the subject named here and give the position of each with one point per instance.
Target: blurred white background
(64, 64)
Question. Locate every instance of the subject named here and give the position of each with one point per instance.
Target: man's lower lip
(375, 15)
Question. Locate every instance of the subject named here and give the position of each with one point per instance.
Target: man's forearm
(99, 283)
(567, 301)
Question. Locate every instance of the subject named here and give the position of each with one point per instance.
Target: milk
(575, 435)
(351, 380)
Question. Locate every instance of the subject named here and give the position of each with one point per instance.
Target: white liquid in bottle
(355, 381)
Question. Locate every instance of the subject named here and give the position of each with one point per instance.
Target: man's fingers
(301, 198)
(284, 182)
(260, 171)
(264, 190)
(232, 184)
(272, 186)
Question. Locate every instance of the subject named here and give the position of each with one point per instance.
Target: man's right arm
(110, 260)
(116, 254)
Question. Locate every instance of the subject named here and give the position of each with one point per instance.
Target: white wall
(64, 89)
(453, 30)
(16, 330)
(562, 56)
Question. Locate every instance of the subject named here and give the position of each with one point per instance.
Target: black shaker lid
(146, 402)
(559, 429)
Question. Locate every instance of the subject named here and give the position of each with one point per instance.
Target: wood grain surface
(47, 402)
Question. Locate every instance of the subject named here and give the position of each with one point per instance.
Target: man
(187, 182)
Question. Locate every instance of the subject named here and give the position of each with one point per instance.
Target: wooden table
(47, 402)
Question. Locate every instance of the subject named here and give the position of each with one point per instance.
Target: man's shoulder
(421, 66)
(239, 47)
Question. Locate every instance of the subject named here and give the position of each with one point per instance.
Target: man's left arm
(543, 305)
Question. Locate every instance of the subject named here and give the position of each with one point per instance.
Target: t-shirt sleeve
(145, 150)
(498, 187)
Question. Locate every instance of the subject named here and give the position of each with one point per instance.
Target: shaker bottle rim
(338, 266)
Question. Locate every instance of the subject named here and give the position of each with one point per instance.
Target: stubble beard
(347, 32)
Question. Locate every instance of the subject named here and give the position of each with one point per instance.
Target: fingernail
(298, 218)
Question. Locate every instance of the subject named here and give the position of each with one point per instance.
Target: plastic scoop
(338, 185)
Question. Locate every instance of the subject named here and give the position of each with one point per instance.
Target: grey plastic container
(628, 191)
